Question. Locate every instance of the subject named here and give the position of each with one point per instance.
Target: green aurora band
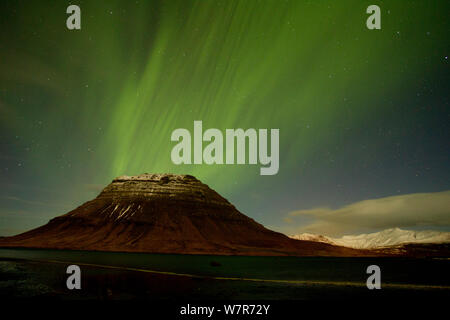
(81, 107)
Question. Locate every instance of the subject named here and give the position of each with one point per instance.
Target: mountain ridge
(387, 238)
(165, 213)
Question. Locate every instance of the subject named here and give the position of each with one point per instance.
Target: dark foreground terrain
(123, 276)
(37, 280)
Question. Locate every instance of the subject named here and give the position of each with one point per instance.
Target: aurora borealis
(363, 114)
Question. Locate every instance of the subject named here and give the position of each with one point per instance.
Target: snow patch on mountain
(385, 238)
(313, 237)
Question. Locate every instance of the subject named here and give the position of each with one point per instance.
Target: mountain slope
(386, 238)
(167, 214)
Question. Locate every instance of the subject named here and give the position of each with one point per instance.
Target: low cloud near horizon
(403, 211)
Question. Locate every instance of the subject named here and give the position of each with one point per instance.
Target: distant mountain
(166, 213)
(386, 238)
(313, 237)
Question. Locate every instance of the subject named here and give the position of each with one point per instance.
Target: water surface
(394, 270)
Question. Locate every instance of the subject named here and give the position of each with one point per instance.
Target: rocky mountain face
(165, 213)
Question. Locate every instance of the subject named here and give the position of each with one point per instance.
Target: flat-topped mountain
(165, 213)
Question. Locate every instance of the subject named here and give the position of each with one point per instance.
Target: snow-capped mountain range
(386, 238)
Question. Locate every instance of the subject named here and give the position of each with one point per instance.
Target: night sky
(363, 114)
